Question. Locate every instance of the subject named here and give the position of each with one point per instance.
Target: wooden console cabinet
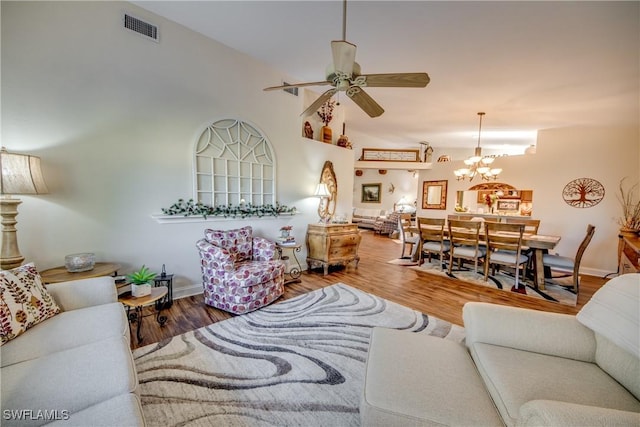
(331, 244)
(629, 254)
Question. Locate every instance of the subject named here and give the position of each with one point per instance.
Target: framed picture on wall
(508, 205)
(371, 193)
(434, 194)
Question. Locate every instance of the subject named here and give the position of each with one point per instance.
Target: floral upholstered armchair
(239, 271)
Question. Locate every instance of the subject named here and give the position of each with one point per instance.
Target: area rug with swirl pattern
(296, 362)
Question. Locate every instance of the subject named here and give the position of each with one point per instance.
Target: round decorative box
(80, 262)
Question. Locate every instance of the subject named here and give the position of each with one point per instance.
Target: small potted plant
(141, 281)
(630, 219)
(285, 230)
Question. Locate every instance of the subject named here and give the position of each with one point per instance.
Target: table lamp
(20, 174)
(322, 191)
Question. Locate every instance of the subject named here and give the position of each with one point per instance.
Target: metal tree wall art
(583, 193)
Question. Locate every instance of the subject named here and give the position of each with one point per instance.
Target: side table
(165, 280)
(60, 274)
(295, 270)
(137, 303)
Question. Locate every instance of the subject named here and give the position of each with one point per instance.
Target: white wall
(604, 154)
(114, 118)
(403, 183)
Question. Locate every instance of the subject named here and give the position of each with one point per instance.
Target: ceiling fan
(344, 75)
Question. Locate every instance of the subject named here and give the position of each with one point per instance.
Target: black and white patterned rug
(296, 362)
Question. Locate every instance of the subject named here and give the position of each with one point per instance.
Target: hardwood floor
(438, 296)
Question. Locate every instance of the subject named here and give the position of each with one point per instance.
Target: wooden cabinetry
(331, 244)
(629, 254)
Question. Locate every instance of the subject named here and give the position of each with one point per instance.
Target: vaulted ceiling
(528, 65)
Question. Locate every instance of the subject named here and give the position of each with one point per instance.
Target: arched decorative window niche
(234, 176)
(234, 164)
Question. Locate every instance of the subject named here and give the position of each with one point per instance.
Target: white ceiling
(528, 65)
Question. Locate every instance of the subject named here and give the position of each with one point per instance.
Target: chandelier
(478, 164)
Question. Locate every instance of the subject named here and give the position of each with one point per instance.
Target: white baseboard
(187, 291)
(597, 272)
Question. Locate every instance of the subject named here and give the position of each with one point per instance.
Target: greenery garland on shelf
(190, 208)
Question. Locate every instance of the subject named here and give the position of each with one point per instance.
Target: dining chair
(433, 238)
(408, 234)
(464, 237)
(504, 247)
(530, 225)
(567, 266)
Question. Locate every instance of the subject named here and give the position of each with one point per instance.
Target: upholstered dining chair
(408, 235)
(504, 247)
(567, 266)
(433, 238)
(240, 272)
(465, 242)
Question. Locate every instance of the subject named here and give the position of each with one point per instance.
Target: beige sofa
(366, 218)
(76, 367)
(519, 367)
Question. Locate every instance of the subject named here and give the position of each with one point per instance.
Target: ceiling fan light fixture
(344, 74)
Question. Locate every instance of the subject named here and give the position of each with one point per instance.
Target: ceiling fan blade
(397, 80)
(364, 101)
(322, 83)
(344, 56)
(318, 102)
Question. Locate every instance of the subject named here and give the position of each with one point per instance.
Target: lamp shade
(322, 190)
(20, 174)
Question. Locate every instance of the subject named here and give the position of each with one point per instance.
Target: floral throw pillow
(24, 301)
(238, 242)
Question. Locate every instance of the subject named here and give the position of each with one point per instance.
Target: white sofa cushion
(122, 410)
(70, 380)
(531, 330)
(83, 293)
(620, 364)
(67, 330)
(614, 312)
(514, 377)
(539, 413)
(437, 385)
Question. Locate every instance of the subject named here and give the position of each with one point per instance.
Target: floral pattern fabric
(241, 278)
(238, 242)
(24, 301)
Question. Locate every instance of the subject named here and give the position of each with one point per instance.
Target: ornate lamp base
(10, 256)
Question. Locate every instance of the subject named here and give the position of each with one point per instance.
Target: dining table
(539, 243)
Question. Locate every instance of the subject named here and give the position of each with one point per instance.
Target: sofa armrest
(84, 293)
(529, 330)
(556, 413)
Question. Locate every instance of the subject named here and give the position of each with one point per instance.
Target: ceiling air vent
(141, 27)
(291, 90)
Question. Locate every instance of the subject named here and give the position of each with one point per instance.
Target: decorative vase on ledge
(327, 134)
